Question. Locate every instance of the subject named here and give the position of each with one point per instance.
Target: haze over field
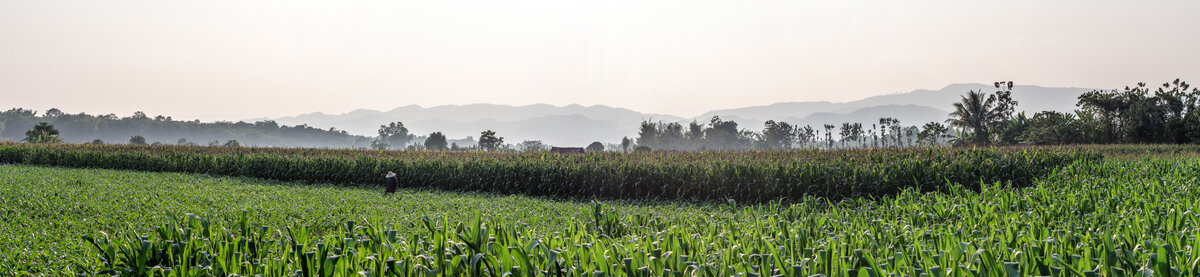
(599, 138)
(232, 60)
(578, 125)
(572, 125)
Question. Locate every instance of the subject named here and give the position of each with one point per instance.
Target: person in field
(391, 182)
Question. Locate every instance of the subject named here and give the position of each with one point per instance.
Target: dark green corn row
(742, 176)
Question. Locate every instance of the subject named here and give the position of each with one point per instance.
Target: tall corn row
(742, 176)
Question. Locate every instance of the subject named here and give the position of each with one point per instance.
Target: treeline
(86, 128)
(1133, 115)
(1137, 114)
(720, 134)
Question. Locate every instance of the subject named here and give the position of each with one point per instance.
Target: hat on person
(391, 174)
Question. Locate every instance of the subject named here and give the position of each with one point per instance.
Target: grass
(1091, 218)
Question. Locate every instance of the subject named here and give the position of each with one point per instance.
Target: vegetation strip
(748, 177)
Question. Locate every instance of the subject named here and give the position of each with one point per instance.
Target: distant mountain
(774, 111)
(560, 130)
(1031, 99)
(576, 125)
(907, 114)
(82, 128)
(571, 125)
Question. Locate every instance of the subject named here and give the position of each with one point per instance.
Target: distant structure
(566, 150)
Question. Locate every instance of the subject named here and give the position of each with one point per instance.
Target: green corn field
(73, 210)
(748, 177)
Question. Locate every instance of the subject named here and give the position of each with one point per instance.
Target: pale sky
(229, 60)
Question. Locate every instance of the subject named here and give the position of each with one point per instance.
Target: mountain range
(576, 125)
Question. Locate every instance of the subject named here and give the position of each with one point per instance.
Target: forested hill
(80, 128)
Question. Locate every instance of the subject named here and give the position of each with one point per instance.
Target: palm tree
(975, 113)
(42, 133)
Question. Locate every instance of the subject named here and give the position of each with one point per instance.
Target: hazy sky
(242, 59)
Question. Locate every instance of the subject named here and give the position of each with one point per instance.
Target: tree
(379, 144)
(137, 140)
(531, 146)
(874, 136)
(489, 141)
(625, 144)
(111, 128)
(42, 133)
(1102, 110)
(1135, 115)
(897, 131)
(53, 112)
(1180, 106)
(778, 135)
(975, 113)
(910, 134)
(1050, 127)
(857, 133)
(806, 135)
(816, 138)
(1005, 105)
(662, 135)
(671, 136)
(97, 142)
(1012, 132)
(829, 136)
(851, 132)
(724, 135)
(19, 112)
(695, 136)
(844, 133)
(596, 146)
(933, 133)
(1143, 118)
(232, 143)
(648, 134)
(885, 124)
(1188, 108)
(984, 114)
(184, 142)
(436, 141)
(395, 135)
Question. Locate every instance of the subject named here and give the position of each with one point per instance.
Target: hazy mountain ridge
(577, 125)
(907, 114)
(1047, 98)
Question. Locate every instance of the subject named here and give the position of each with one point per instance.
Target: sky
(231, 60)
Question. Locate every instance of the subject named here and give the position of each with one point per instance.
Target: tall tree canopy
(395, 135)
(436, 141)
(489, 141)
(42, 133)
(82, 128)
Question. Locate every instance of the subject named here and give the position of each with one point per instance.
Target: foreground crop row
(748, 177)
(1115, 218)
